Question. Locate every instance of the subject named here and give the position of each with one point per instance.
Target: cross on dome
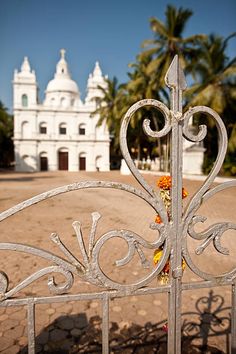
(62, 67)
(63, 52)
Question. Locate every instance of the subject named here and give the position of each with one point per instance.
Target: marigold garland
(158, 219)
(164, 183)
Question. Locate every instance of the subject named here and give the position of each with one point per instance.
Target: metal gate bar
(233, 320)
(31, 326)
(176, 82)
(105, 324)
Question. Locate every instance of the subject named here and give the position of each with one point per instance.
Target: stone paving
(135, 321)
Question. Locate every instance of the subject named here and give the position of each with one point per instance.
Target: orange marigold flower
(166, 268)
(158, 219)
(164, 182)
(184, 193)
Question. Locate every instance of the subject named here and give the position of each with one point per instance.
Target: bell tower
(95, 79)
(25, 108)
(24, 87)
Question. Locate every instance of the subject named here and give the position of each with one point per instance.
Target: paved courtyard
(75, 327)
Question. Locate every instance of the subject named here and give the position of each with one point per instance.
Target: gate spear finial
(175, 80)
(175, 77)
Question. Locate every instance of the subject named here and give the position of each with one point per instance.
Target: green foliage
(6, 133)
(213, 84)
(215, 87)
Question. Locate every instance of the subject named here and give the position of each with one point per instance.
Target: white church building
(62, 132)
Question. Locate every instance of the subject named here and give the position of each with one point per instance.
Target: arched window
(24, 100)
(62, 129)
(82, 130)
(43, 128)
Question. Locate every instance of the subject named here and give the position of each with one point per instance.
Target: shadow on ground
(29, 178)
(75, 334)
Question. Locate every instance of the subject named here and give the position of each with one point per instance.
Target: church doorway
(43, 162)
(82, 162)
(63, 160)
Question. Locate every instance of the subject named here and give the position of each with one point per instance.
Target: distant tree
(169, 41)
(215, 86)
(107, 108)
(215, 75)
(106, 105)
(6, 134)
(138, 87)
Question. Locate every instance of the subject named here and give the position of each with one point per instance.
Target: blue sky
(105, 30)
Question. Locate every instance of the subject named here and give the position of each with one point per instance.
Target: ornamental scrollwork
(88, 269)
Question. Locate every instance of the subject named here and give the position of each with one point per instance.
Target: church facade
(61, 133)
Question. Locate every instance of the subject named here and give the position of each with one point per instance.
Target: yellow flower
(183, 264)
(157, 255)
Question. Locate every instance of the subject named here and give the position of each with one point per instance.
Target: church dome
(62, 81)
(62, 84)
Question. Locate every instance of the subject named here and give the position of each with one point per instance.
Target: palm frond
(158, 27)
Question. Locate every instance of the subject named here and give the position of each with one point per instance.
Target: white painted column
(52, 158)
(90, 158)
(73, 158)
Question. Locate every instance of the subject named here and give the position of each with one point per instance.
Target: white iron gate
(172, 232)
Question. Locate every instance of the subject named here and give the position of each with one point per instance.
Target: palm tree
(140, 86)
(168, 41)
(106, 103)
(214, 72)
(108, 107)
(215, 87)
